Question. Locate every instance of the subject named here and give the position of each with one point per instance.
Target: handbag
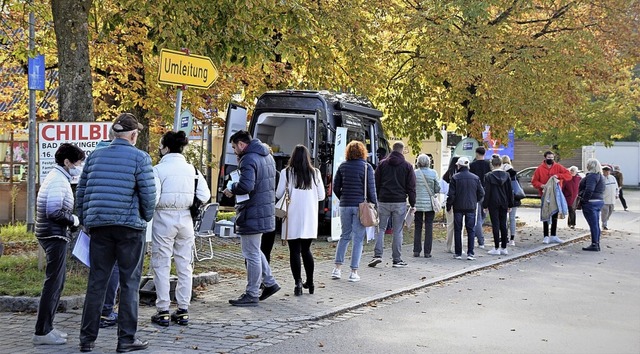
(435, 202)
(282, 205)
(367, 211)
(577, 203)
(196, 206)
(518, 192)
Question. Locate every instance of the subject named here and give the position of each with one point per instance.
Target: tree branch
(504, 15)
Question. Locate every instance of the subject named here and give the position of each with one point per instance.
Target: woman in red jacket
(547, 169)
(570, 191)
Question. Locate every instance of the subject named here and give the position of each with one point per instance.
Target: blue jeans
(469, 224)
(55, 273)
(351, 228)
(111, 244)
(112, 291)
(258, 270)
(512, 222)
(480, 216)
(395, 212)
(591, 212)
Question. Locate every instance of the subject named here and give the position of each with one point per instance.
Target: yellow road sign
(178, 68)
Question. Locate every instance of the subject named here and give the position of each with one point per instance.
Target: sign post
(184, 69)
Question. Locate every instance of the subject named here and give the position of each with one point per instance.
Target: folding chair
(203, 247)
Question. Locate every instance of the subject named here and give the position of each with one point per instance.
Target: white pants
(605, 213)
(172, 235)
(450, 229)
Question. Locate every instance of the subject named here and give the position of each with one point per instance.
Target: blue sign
(495, 146)
(36, 73)
(186, 122)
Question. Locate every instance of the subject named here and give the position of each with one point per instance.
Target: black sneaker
(109, 321)
(400, 264)
(181, 317)
(268, 291)
(161, 318)
(375, 261)
(244, 300)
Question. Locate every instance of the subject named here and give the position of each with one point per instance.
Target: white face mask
(75, 171)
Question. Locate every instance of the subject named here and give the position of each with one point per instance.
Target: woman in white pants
(172, 231)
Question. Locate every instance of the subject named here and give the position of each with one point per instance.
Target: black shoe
(297, 290)
(268, 291)
(130, 347)
(594, 247)
(161, 318)
(427, 256)
(87, 346)
(244, 300)
(309, 286)
(181, 317)
(416, 254)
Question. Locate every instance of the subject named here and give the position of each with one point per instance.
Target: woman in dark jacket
(54, 216)
(513, 174)
(591, 192)
(498, 200)
(453, 168)
(349, 187)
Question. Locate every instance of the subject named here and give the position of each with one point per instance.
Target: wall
(624, 154)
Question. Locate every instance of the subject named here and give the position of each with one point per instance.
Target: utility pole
(31, 174)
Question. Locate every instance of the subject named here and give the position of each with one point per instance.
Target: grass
(530, 202)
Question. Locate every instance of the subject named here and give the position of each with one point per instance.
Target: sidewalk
(217, 327)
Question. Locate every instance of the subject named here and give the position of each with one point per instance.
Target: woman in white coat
(304, 185)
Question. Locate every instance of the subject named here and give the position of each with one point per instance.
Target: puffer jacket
(395, 180)
(257, 179)
(592, 187)
(348, 183)
(175, 183)
(116, 187)
(55, 206)
(426, 178)
(465, 191)
(498, 192)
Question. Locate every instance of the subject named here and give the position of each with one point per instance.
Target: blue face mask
(75, 171)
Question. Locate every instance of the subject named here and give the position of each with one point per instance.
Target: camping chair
(203, 247)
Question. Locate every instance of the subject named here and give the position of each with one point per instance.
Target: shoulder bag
(196, 206)
(282, 205)
(435, 202)
(518, 192)
(367, 211)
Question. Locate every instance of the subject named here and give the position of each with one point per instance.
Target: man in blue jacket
(115, 199)
(465, 192)
(255, 215)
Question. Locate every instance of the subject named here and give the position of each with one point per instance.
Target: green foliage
(19, 276)
(224, 215)
(17, 232)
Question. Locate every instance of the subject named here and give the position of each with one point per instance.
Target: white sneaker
(481, 246)
(504, 252)
(471, 257)
(48, 339)
(512, 243)
(555, 239)
(59, 333)
(336, 273)
(494, 252)
(545, 240)
(354, 277)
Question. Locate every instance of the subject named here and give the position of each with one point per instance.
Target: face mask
(75, 171)
(161, 153)
(549, 162)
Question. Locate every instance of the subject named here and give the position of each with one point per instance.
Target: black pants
(571, 220)
(266, 244)
(108, 245)
(297, 248)
(55, 275)
(427, 217)
(499, 226)
(624, 202)
(554, 226)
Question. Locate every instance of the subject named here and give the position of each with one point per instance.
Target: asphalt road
(560, 301)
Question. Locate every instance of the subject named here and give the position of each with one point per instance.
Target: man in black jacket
(395, 181)
(480, 167)
(465, 192)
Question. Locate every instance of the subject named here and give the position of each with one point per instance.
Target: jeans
(554, 226)
(512, 222)
(427, 216)
(591, 212)
(396, 212)
(499, 226)
(111, 244)
(258, 270)
(55, 274)
(351, 228)
(301, 248)
(480, 216)
(469, 224)
(112, 291)
(605, 213)
(172, 237)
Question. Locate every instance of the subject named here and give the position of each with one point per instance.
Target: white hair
(424, 160)
(593, 166)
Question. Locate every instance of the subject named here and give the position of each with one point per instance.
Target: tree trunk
(75, 101)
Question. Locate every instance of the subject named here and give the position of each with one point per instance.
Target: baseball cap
(463, 161)
(606, 168)
(126, 122)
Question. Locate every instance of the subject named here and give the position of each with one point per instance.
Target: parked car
(525, 175)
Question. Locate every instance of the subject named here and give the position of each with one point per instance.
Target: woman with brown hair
(305, 188)
(349, 187)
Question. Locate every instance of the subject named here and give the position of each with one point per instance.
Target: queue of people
(119, 193)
